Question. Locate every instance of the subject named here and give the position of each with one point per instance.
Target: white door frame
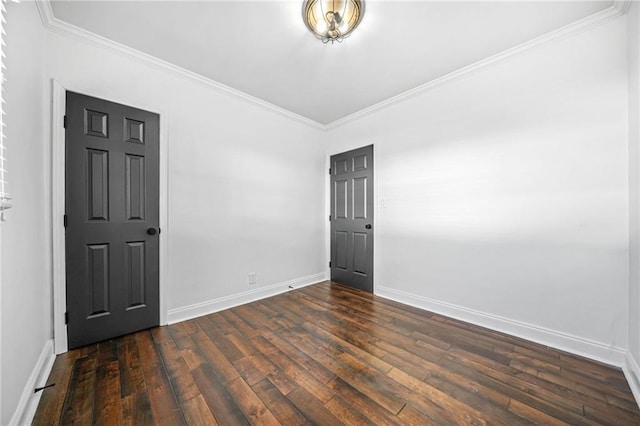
(58, 207)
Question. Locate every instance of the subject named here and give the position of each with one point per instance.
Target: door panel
(96, 123)
(112, 198)
(360, 198)
(341, 199)
(359, 253)
(98, 184)
(352, 218)
(341, 166)
(134, 131)
(134, 274)
(360, 162)
(341, 249)
(98, 278)
(135, 189)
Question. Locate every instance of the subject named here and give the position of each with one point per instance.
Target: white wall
(505, 192)
(633, 19)
(245, 188)
(26, 274)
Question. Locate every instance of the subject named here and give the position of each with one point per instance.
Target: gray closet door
(112, 208)
(352, 218)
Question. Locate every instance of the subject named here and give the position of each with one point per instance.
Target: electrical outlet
(252, 278)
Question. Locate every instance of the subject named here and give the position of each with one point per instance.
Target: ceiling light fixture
(332, 20)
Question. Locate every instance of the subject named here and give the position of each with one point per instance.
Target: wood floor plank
(256, 366)
(197, 412)
(248, 371)
(330, 354)
(349, 348)
(79, 404)
(284, 411)
(312, 408)
(135, 401)
(131, 374)
(226, 346)
(107, 399)
(363, 403)
(191, 326)
(251, 405)
(107, 352)
(559, 408)
(238, 323)
(301, 368)
(223, 406)
(411, 416)
(602, 414)
(163, 402)
(285, 342)
(136, 410)
(536, 416)
(179, 375)
(350, 313)
(346, 412)
(181, 336)
(463, 413)
(242, 343)
(52, 399)
(383, 396)
(220, 365)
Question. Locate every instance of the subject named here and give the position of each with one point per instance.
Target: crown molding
(618, 8)
(58, 26)
(53, 24)
(622, 6)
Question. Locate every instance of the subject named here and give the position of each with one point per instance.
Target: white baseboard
(632, 374)
(28, 403)
(566, 342)
(216, 305)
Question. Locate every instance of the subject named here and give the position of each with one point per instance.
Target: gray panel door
(352, 218)
(112, 207)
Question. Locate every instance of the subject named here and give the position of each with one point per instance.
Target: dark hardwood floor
(328, 355)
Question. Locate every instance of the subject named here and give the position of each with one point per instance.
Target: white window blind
(5, 200)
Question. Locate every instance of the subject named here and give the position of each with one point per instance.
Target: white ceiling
(262, 48)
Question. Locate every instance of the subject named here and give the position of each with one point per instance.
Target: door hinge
(65, 220)
(329, 218)
(329, 170)
(329, 264)
(66, 317)
(64, 122)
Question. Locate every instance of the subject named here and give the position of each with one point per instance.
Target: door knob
(368, 226)
(151, 231)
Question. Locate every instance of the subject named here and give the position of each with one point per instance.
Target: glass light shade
(332, 20)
